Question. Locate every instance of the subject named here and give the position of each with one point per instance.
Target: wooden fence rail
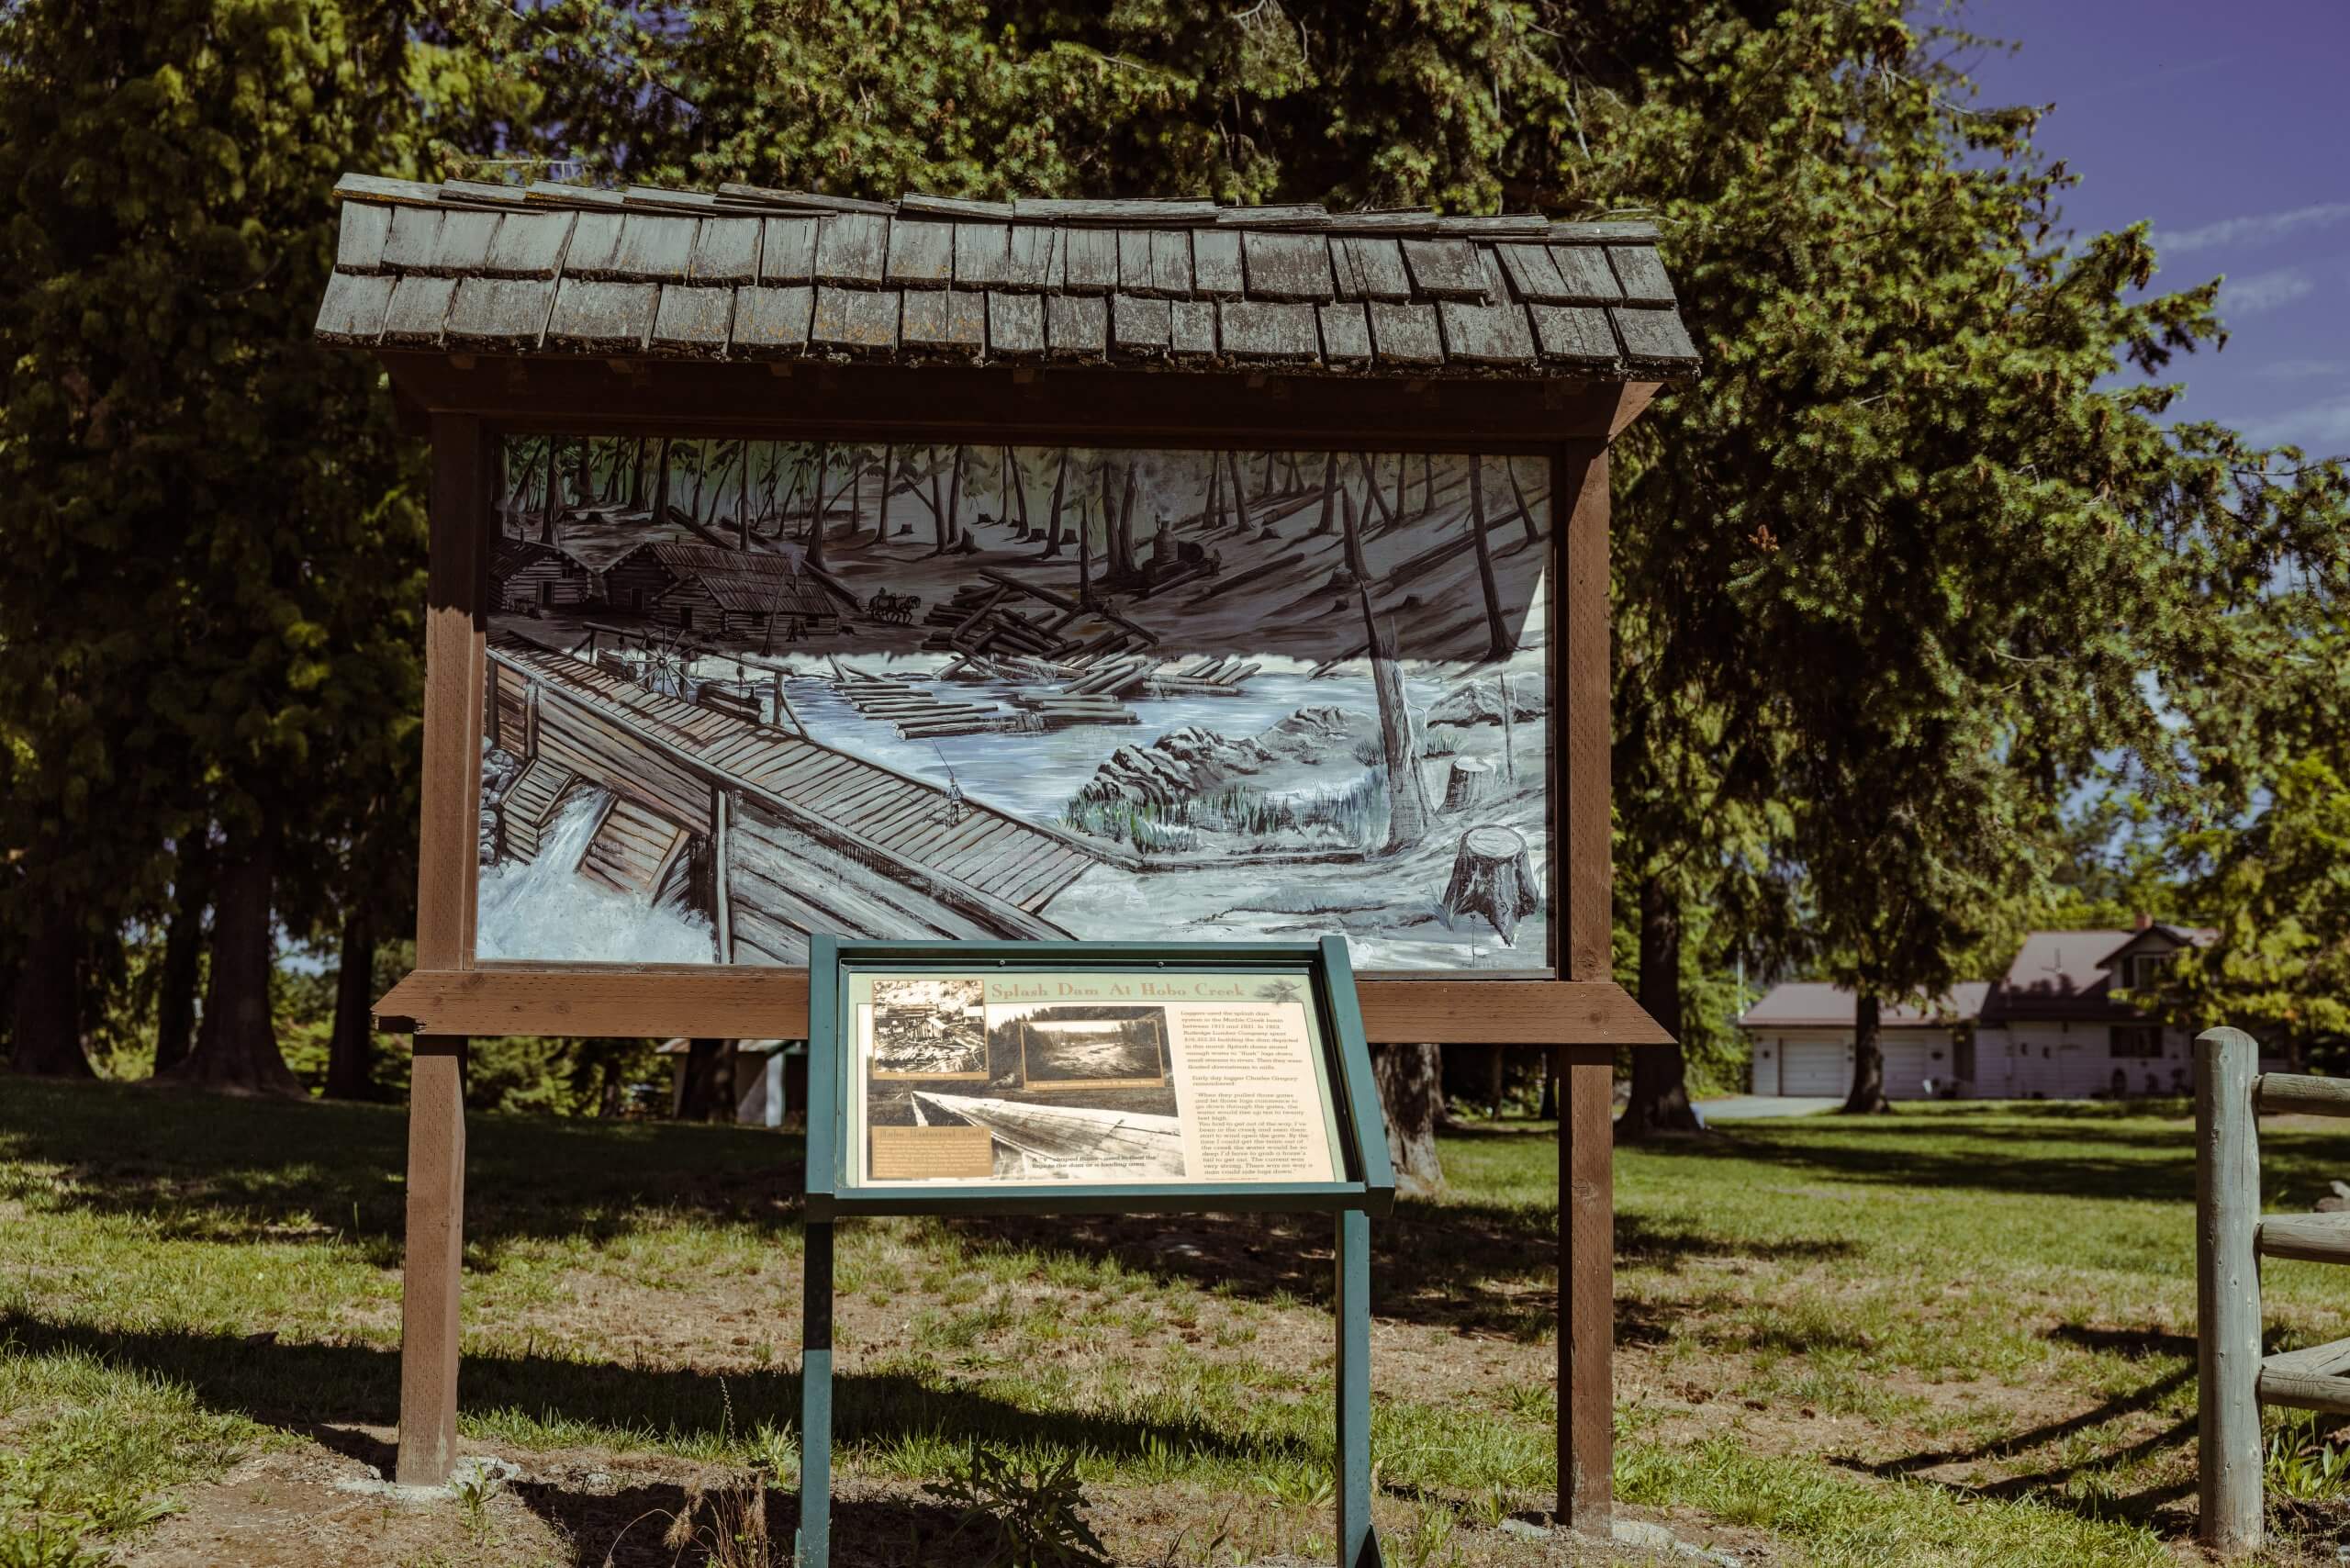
(2231, 1238)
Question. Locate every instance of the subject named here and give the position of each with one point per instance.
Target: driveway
(1749, 1107)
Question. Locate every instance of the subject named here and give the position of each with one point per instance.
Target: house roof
(748, 272)
(511, 555)
(756, 593)
(2069, 975)
(1816, 1004)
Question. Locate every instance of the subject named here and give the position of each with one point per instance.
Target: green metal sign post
(1307, 988)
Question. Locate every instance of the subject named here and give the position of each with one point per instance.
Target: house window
(685, 618)
(546, 593)
(2137, 1041)
(2143, 971)
(636, 600)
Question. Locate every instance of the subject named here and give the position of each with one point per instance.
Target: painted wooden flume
(946, 569)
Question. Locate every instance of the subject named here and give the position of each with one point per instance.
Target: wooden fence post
(2227, 1291)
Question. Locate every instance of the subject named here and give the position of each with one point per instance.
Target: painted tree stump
(1470, 781)
(1493, 876)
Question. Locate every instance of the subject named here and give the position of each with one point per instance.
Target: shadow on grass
(301, 1387)
(1469, 1267)
(2102, 1158)
(217, 1168)
(2149, 1506)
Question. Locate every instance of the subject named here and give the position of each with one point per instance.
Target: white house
(1801, 1039)
(2052, 1028)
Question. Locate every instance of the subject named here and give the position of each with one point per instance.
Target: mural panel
(740, 691)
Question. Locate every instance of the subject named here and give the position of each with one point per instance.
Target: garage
(1816, 1067)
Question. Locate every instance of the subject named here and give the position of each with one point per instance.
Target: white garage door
(1813, 1067)
(1907, 1065)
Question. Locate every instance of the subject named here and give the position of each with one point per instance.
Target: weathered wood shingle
(352, 311)
(948, 320)
(505, 313)
(751, 271)
(1076, 326)
(530, 244)
(1015, 325)
(358, 248)
(854, 321)
(601, 316)
(1287, 266)
(771, 321)
(852, 248)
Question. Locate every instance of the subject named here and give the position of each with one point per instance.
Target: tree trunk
(1329, 517)
(702, 1094)
(1408, 795)
(46, 1016)
(952, 522)
(237, 1046)
(816, 518)
(743, 501)
(553, 498)
(1525, 511)
(1427, 482)
(1550, 1107)
(1659, 1100)
(1019, 486)
(1211, 513)
(1402, 471)
(183, 957)
(1239, 494)
(1411, 1090)
(1868, 1058)
(1371, 491)
(1356, 565)
(1495, 622)
(661, 483)
(889, 477)
(1084, 554)
(351, 1049)
(1053, 516)
(636, 478)
(1122, 538)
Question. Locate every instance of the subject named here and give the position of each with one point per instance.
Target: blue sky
(2228, 126)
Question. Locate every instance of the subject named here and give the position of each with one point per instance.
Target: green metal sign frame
(1368, 1187)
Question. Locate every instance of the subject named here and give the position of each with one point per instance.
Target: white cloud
(2263, 291)
(2321, 428)
(2259, 229)
(2303, 369)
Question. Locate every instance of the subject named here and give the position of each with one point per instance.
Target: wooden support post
(721, 857)
(1358, 1541)
(1580, 675)
(816, 1394)
(2227, 1292)
(432, 1261)
(463, 477)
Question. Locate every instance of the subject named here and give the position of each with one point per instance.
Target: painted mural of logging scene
(740, 691)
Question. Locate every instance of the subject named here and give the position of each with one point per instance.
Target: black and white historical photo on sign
(740, 691)
(1123, 1047)
(929, 1029)
(1104, 1108)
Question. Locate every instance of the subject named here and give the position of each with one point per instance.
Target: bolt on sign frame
(501, 313)
(840, 1182)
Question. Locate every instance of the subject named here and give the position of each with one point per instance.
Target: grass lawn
(1958, 1335)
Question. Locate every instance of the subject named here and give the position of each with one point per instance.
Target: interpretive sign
(1014, 571)
(1095, 1077)
(1105, 1076)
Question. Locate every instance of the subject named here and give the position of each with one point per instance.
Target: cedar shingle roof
(746, 273)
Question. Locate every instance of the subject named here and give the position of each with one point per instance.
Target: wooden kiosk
(1344, 475)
